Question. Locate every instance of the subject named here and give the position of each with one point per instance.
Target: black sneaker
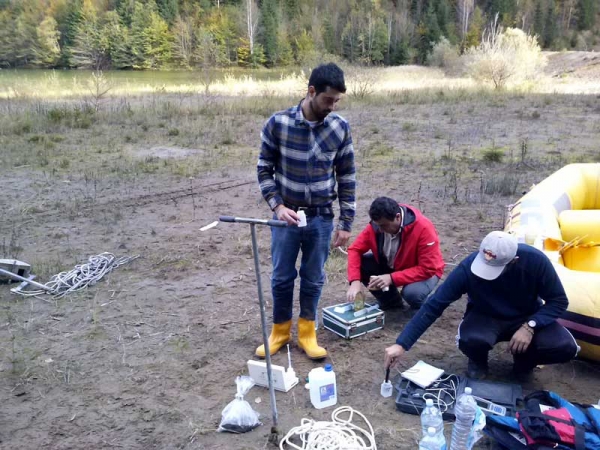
(476, 371)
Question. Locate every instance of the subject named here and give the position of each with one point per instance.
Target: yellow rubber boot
(307, 339)
(280, 335)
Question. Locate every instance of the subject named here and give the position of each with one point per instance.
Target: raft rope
(338, 434)
(81, 276)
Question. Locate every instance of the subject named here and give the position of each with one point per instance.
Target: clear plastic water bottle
(432, 440)
(431, 417)
(465, 409)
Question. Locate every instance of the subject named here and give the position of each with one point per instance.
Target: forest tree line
(160, 34)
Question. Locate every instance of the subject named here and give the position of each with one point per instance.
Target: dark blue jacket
(515, 294)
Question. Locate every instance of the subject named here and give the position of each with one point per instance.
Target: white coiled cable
(338, 434)
(81, 276)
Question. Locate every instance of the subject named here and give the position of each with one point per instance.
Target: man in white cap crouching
(505, 283)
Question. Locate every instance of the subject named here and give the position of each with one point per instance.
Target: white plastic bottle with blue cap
(323, 388)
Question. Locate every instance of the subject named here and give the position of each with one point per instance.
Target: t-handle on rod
(263, 321)
(270, 222)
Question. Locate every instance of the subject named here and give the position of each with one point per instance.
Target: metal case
(346, 325)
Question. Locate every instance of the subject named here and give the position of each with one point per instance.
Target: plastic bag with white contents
(238, 416)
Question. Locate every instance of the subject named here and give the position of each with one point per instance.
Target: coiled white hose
(338, 434)
(81, 276)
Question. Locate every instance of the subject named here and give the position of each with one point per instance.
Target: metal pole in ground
(263, 321)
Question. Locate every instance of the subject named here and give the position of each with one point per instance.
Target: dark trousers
(414, 294)
(478, 333)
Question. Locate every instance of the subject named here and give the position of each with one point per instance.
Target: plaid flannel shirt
(299, 164)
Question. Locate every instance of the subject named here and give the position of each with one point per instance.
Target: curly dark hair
(384, 208)
(327, 75)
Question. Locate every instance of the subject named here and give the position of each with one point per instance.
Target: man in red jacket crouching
(397, 256)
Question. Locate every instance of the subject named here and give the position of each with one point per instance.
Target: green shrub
(504, 184)
(78, 117)
(56, 115)
(493, 155)
(36, 138)
(444, 55)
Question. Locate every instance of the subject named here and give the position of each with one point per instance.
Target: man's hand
(392, 355)
(287, 215)
(353, 290)
(520, 341)
(379, 282)
(340, 238)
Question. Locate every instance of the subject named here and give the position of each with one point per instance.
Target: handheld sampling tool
(386, 387)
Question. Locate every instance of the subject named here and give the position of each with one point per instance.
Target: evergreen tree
(8, 56)
(140, 22)
(47, 50)
(305, 48)
(586, 14)
(473, 37)
(116, 38)
(550, 28)
(68, 31)
(125, 8)
(538, 19)
(252, 60)
(285, 55)
(416, 10)
(506, 9)
(428, 34)
(291, 9)
(159, 40)
(270, 22)
(329, 39)
(222, 27)
(88, 50)
(444, 16)
(379, 45)
(351, 37)
(400, 53)
(168, 9)
(25, 38)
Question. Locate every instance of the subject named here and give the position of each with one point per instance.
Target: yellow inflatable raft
(561, 216)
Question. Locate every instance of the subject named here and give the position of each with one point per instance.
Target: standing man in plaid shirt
(305, 150)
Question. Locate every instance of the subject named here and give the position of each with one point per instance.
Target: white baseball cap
(496, 250)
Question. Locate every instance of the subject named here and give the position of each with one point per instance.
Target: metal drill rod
(20, 278)
(263, 320)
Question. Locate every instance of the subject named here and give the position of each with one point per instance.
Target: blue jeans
(313, 240)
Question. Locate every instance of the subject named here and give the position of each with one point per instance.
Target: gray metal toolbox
(347, 325)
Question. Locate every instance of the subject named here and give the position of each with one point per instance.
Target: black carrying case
(410, 396)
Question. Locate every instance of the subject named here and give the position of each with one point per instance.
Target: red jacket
(419, 256)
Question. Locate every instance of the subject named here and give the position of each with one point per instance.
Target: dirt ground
(147, 357)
